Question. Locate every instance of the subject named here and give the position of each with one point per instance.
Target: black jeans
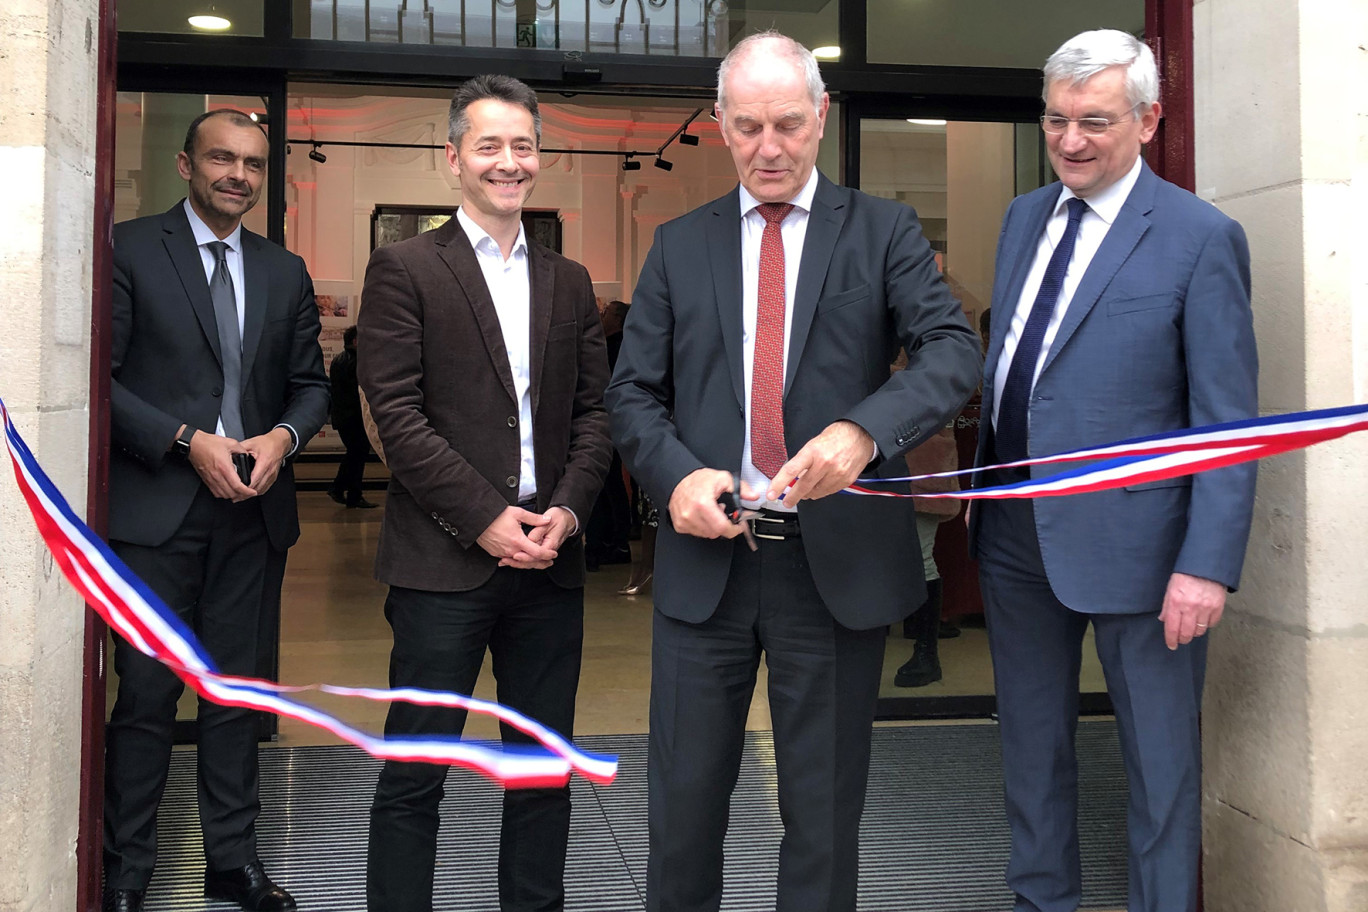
(352, 469)
(534, 630)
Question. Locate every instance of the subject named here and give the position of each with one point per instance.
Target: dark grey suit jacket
(1159, 336)
(867, 284)
(434, 369)
(167, 371)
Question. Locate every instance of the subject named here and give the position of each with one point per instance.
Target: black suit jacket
(867, 284)
(167, 371)
(432, 363)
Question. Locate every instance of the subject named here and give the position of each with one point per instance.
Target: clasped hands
(211, 455)
(827, 463)
(534, 549)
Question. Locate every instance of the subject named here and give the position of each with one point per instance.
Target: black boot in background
(924, 666)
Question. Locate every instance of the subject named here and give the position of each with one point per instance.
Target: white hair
(1084, 56)
(786, 48)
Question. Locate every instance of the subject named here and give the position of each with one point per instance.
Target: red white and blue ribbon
(1153, 458)
(144, 620)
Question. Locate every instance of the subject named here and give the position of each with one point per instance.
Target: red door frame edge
(91, 819)
(1168, 31)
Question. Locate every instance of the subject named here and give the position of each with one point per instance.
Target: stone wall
(1282, 146)
(47, 157)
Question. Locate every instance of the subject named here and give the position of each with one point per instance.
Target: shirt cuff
(294, 439)
(875, 456)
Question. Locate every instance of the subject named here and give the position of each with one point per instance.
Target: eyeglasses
(1091, 126)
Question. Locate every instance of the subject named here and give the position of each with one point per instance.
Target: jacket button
(511, 481)
(512, 420)
(217, 391)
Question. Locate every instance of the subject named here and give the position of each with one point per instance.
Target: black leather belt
(775, 525)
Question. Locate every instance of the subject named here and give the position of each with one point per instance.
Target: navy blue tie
(1010, 435)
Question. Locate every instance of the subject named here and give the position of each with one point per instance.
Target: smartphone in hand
(244, 463)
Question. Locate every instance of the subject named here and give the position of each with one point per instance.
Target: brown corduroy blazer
(432, 364)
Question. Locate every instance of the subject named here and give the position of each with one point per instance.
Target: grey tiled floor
(933, 837)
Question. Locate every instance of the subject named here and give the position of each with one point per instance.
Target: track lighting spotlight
(317, 155)
(629, 164)
(688, 139)
(662, 164)
(259, 118)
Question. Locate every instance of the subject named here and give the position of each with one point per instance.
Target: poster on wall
(336, 311)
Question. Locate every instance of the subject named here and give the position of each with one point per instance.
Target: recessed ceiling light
(827, 52)
(209, 23)
(924, 122)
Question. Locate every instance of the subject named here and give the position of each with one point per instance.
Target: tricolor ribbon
(140, 617)
(1153, 458)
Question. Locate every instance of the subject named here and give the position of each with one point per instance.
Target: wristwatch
(181, 447)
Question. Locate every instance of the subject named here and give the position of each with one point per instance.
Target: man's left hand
(827, 463)
(1192, 606)
(269, 452)
(551, 535)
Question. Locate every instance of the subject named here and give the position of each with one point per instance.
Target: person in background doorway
(350, 426)
(218, 382)
(1123, 310)
(938, 454)
(605, 539)
(755, 362)
(482, 358)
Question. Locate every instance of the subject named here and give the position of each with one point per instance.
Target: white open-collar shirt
(510, 287)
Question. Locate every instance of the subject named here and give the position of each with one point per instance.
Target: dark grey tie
(230, 340)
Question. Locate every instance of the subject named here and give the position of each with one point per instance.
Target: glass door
(959, 175)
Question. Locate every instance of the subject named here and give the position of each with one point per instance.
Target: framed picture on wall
(397, 223)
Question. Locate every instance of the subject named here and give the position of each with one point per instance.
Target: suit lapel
(823, 228)
(254, 298)
(185, 257)
(724, 256)
(542, 278)
(453, 246)
(1131, 224)
(1021, 254)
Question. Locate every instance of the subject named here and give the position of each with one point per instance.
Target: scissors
(730, 502)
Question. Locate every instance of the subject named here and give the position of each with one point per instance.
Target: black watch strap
(182, 444)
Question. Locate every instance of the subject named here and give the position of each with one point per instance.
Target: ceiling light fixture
(827, 52)
(259, 118)
(926, 122)
(628, 164)
(317, 155)
(688, 139)
(210, 21)
(662, 164)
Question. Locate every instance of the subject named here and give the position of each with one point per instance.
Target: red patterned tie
(768, 452)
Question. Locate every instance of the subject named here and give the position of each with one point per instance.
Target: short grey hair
(1085, 55)
(786, 49)
(499, 88)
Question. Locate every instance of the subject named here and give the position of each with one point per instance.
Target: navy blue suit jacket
(1159, 336)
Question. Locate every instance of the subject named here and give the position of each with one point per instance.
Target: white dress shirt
(793, 230)
(510, 286)
(1092, 231)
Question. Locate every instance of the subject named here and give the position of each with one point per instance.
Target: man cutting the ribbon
(1122, 309)
(758, 345)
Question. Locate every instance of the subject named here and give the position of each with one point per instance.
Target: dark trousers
(534, 631)
(611, 522)
(823, 685)
(1036, 644)
(352, 469)
(211, 574)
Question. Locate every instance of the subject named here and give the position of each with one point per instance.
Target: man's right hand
(504, 537)
(694, 509)
(212, 457)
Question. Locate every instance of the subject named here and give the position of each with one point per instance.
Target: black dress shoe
(122, 901)
(361, 504)
(249, 887)
(336, 496)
